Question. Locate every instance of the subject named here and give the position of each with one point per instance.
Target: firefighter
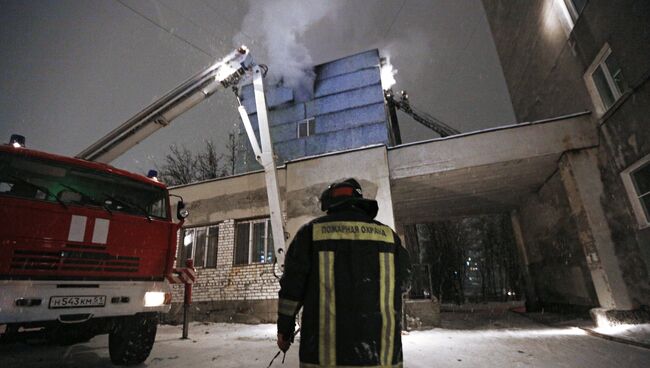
(347, 271)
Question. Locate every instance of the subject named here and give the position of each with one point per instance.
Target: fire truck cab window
(53, 181)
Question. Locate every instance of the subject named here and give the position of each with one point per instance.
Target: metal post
(392, 119)
(268, 162)
(186, 308)
(187, 301)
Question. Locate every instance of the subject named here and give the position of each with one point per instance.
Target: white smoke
(273, 30)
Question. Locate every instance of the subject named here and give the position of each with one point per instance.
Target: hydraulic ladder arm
(227, 72)
(403, 103)
(224, 73)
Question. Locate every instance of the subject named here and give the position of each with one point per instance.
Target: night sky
(71, 71)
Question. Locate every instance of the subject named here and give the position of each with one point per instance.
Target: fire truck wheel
(131, 340)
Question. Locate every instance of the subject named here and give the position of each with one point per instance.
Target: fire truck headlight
(154, 298)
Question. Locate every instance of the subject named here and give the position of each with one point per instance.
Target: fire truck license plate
(77, 301)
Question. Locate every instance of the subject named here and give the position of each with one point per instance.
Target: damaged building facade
(346, 111)
(229, 233)
(573, 173)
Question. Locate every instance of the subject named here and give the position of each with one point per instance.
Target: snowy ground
(636, 333)
(505, 340)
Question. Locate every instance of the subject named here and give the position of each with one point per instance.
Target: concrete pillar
(408, 235)
(532, 302)
(400, 230)
(584, 188)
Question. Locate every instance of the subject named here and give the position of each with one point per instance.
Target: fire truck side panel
(44, 240)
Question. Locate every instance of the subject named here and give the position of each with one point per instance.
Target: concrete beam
(487, 147)
(483, 172)
(235, 197)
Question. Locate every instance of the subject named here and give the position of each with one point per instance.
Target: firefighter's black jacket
(348, 272)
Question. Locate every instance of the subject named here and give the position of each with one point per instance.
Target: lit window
(200, 244)
(605, 81)
(254, 242)
(575, 7)
(636, 179)
(306, 127)
(569, 11)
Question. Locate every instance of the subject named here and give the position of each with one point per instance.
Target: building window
(568, 11)
(200, 244)
(254, 242)
(605, 81)
(575, 7)
(306, 127)
(636, 179)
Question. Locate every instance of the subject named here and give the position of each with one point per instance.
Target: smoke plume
(273, 31)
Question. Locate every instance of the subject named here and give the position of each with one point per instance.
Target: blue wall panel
(347, 139)
(279, 133)
(346, 82)
(287, 151)
(352, 117)
(348, 64)
(284, 132)
(275, 96)
(289, 114)
(348, 108)
(346, 100)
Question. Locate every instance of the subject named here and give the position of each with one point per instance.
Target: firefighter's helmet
(340, 192)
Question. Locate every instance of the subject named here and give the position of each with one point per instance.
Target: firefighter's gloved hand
(283, 342)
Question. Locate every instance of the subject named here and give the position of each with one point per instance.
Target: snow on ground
(638, 333)
(507, 340)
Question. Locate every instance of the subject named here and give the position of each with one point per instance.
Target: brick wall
(228, 282)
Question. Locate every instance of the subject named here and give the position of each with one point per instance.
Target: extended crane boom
(227, 72)
(224, 73)
(423, 118)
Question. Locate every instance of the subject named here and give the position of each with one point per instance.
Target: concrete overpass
(538, 172)
(481, 172)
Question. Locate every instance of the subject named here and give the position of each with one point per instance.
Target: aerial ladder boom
(402, 103)
(225, 73)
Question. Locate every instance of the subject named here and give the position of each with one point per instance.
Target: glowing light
(425, 337)
(613, 329)
(387, 73)
(154, 298)
(188, 239)
(607, 327)
(16, 145)
(153, 175)
(564, 13)
(229, 65)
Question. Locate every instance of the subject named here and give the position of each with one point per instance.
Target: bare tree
(231, 153)
(208, 163)
(179, 166)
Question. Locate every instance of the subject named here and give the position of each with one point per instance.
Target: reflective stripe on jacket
(347, 273)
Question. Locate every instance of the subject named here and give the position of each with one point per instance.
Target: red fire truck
(84, 250)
